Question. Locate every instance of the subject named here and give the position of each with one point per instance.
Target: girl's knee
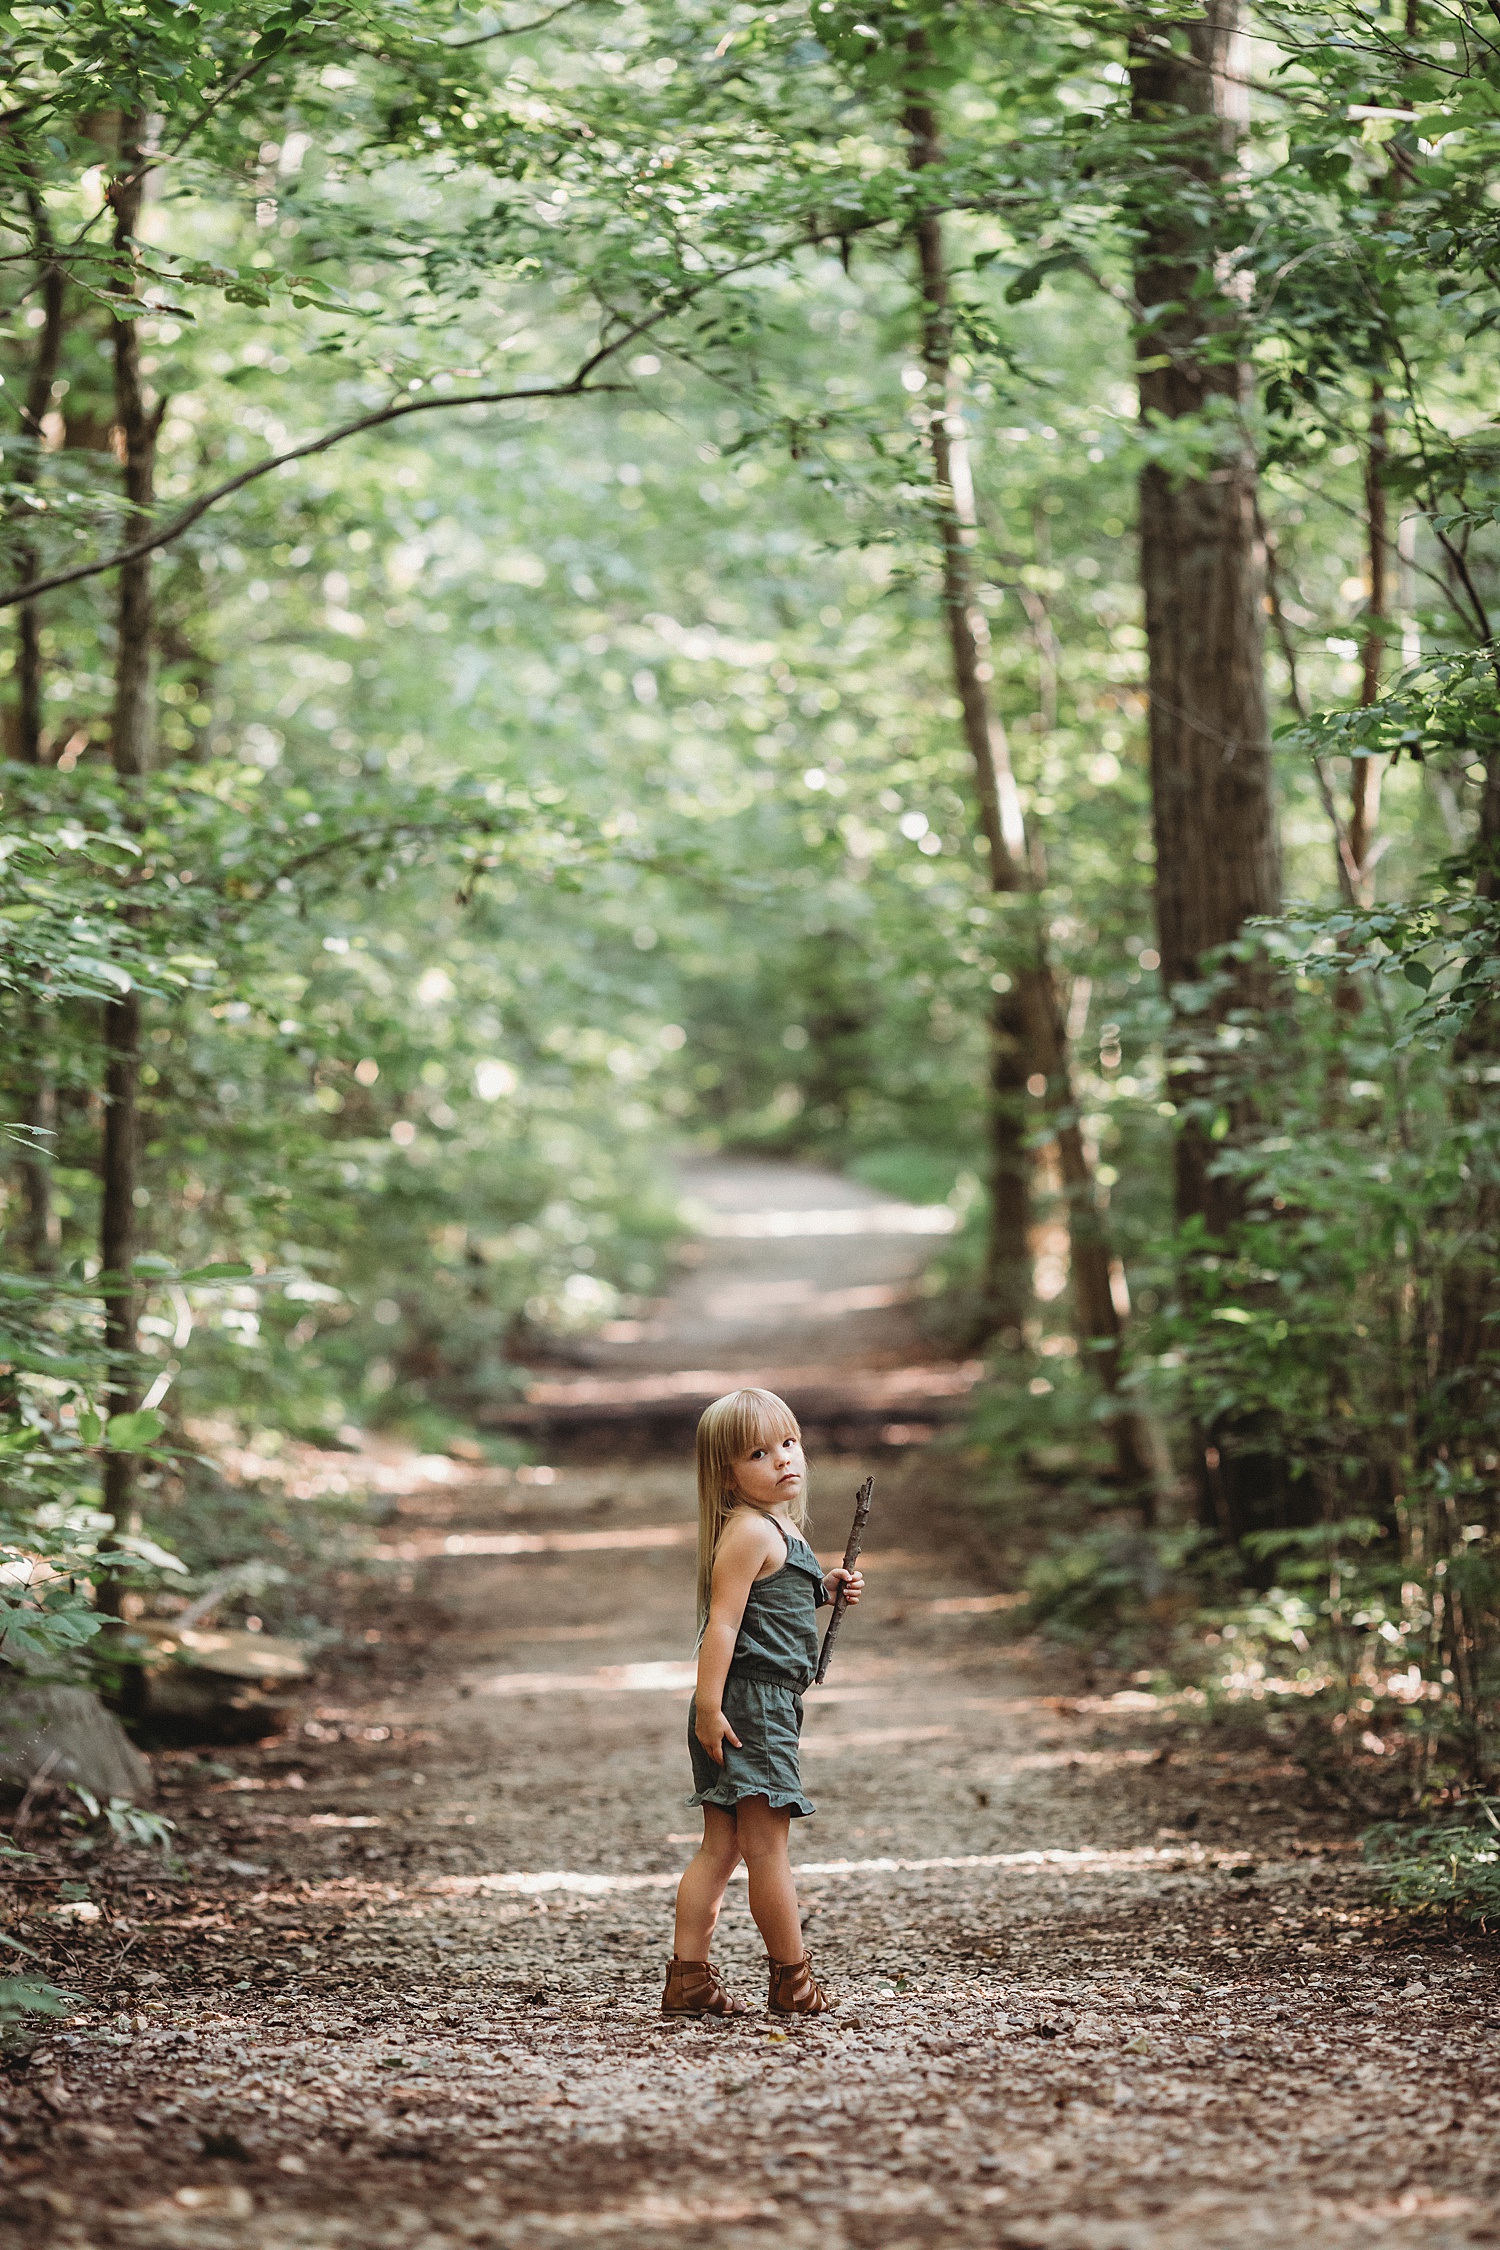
(719, 1856)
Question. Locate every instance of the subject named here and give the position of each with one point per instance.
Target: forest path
(1102, 1985)
(797, 1279)
(793, 1265)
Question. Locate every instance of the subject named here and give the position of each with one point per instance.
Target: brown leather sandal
(795, 1991)
(693, 1989)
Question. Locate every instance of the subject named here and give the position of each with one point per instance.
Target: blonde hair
(729, 1429)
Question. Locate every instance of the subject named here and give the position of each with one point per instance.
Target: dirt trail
(1103, 1986)
(801, 1280)
(793, 1265)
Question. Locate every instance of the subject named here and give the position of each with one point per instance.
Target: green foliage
(263, 1545)
(1449, 1867)
(1116, 1591)
(545, 783)
(117, 1820)
(22, 1996)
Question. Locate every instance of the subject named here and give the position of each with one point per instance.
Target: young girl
(759, 1589)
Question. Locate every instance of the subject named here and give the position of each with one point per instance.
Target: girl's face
(770, 1475)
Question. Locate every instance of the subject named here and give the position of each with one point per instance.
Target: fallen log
(217, 1684)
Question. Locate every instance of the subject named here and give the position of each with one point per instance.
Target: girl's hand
(852, 1581)
(713, 1731)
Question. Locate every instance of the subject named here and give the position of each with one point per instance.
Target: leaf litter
(1089, 1999)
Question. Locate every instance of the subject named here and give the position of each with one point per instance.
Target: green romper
(775, 1657)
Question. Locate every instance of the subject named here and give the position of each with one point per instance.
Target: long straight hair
(729, 1429)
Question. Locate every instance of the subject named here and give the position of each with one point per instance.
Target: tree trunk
(1364, 780)
(1032, 1029)
(1006, 1284)
(131, 745)
(1202, 567)
(1471, 1295)
(1203, 573)
(40, 1101)
(119, 1169)
(134, 707)
(28, 472)
(41, 1233)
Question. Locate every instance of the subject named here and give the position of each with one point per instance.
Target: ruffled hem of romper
(727, 1794)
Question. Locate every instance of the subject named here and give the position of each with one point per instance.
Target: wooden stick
(851, 1557)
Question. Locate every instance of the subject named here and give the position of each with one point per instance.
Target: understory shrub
(1449, 1867)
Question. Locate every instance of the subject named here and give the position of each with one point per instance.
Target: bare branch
(577, 387)
(513, 30)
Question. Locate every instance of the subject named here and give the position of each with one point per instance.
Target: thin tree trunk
(41, 1233)
(1354, 841)
(1037, 1017)
(1471, 1296)
(40, 1099)
(1202, 569)
(1364, 781)
(131, 746)
(1006, 1285)
(39, 384)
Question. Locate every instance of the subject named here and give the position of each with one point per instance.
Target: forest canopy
(906, 585)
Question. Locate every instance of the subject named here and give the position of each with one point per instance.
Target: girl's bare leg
(763, 1835)
(700, 1894)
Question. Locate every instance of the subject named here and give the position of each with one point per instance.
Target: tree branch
(579, 386)
(512, 30)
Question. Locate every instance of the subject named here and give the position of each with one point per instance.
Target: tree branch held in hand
(851, 1557)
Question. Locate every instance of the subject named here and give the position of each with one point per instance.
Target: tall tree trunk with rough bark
(1203, 573)
(1030, 1040)
(131, 749)
(1202, 558)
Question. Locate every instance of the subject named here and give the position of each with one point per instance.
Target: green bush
(1120, 1590)
(1449, 1867)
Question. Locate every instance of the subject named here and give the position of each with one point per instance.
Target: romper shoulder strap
(804, 1559)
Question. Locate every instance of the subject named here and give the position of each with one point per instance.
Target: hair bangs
(729, 1429)
(746, 1419)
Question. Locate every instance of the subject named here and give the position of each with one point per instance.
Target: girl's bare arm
(741, 1556)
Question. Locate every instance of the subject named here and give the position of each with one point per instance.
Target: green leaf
(40, 1636)
(1030, 279)
(229, 1270)
(29, 1996)
(134, 1433)
(1417, 973)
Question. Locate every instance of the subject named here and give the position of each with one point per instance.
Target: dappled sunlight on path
(1093, 1993)
(799, 1280)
